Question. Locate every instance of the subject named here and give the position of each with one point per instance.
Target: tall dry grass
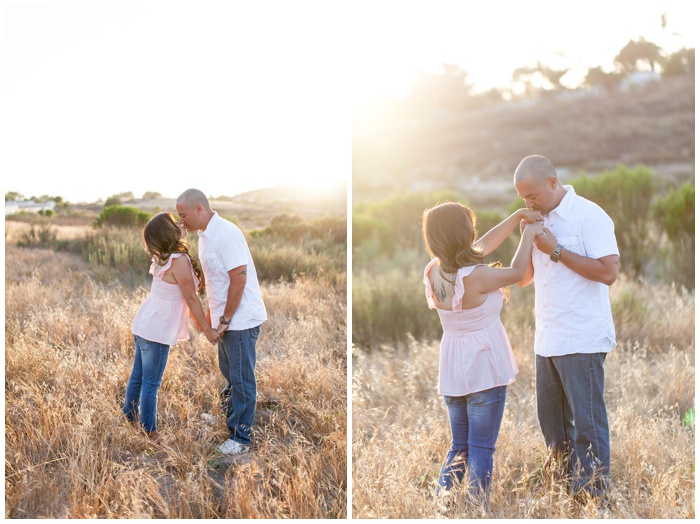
(70, 453)
(401, 430)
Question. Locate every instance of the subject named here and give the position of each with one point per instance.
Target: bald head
(537, 184)
(194, 197)
(537, 167)
(194, 210)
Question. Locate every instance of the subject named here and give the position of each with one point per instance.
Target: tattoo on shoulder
(440, 292)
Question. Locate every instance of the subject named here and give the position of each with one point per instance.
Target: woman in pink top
(476, 360)
(162, 319)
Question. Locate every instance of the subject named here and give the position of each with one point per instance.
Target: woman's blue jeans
(237, 365)
(150, 359)
(475, 420)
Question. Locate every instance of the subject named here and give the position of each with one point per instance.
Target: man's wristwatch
(554, 257)
(225, 322)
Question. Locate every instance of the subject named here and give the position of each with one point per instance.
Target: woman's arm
(495, 237)
(182, 272)
(485, 279)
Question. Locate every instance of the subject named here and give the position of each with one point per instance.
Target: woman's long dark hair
(449, 232)
(161, 236)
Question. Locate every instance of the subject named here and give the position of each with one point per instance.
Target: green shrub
(396, 221)
(122, 216)
(285, 261)
(625, 195)
(41, 235)
(388, 305)
(295, 229)
(675, 213)
(115, 248)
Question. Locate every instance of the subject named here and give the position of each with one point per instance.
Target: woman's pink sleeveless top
(163, 316)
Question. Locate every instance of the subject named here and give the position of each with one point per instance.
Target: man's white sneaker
(231, 447)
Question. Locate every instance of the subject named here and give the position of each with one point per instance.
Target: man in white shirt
(575, 262)
(235, 303)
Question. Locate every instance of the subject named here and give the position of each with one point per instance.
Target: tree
(525, 77)
(13, 195)
(151, 195)
(682, 62)
(597, 77)
(447, 91)
(538, 77)
(632, 57)
(119, 198)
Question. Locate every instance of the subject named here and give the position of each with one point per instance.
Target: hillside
(252, 210)
(476, 151)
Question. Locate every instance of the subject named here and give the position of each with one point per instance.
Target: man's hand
(221, 328)
(535, 228)
(546, 242)
(212, 334)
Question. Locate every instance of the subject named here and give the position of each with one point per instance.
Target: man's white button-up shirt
(573, 314)
(222, 247)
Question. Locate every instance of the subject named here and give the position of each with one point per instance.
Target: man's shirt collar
(211, 226)
(566, 206)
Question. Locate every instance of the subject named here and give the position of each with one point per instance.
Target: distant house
(638, 78)
(27, 206)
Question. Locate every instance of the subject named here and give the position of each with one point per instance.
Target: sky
(103, 96)
(490, 39)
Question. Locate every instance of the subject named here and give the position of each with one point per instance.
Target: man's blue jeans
(572, 415)
(237, 365)
(150, 359)
(475, 420)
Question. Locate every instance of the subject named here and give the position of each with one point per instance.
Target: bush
(115, 248)
(388, 305)
(284, 261)
(40, 235)
(625, 195)
(295, 229)
(675, 213)
(396, 221)
(122, 216)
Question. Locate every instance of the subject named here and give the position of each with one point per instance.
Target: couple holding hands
(234, 306)
(568, 250)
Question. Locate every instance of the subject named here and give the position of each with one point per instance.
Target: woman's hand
(533, 230)
(530, 215)
(211, 334)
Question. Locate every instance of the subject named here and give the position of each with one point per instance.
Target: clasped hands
(544, 238)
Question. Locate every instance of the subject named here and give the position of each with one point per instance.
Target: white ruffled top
(163, 316)
(475, 353)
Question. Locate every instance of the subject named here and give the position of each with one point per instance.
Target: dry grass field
(401, 430)
(69, 451)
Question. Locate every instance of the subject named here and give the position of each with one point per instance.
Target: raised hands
(535, 229)
(529, 216)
